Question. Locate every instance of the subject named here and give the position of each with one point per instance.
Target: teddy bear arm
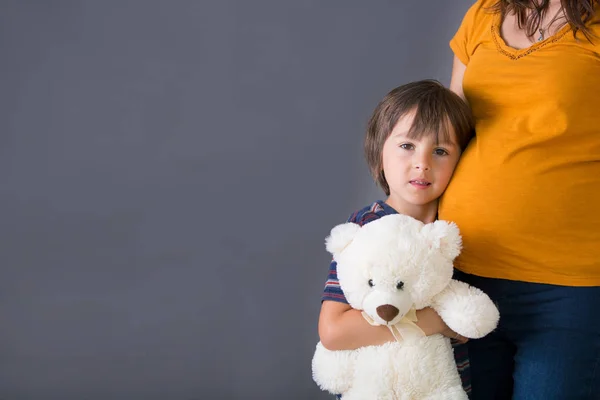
(466, 310)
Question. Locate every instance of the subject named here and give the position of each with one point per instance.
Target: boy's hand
(431, 323)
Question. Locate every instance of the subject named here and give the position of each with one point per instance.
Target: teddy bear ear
(340, 237)
(444, 236)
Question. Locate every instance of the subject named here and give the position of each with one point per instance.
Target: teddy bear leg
(353, 394)
(333, 371)
(453, 393)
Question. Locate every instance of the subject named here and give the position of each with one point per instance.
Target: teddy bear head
(393, 264)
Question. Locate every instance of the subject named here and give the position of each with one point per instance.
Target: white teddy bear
(389, 268)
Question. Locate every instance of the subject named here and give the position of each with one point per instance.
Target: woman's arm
(343, 328)
(456, 81)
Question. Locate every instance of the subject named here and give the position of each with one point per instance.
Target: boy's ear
(340, 237)
(444, 236)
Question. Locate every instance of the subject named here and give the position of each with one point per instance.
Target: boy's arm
(343, 328)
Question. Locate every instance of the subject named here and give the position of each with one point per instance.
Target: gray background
(168, 172)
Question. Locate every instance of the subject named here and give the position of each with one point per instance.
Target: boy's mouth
(419, 182)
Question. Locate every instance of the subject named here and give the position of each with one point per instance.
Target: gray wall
(168, 172)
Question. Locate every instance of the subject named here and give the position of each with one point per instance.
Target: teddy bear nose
(387, 312)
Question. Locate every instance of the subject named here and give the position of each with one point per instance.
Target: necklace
(547, 28)
(541, 37)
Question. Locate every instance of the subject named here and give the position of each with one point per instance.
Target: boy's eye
(407, 146)
(440, 152)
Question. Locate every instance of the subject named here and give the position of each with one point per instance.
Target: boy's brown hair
(438, 111)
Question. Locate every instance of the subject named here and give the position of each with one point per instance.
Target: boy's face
(417, 171)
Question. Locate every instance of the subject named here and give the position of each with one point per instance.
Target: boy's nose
(422, 161)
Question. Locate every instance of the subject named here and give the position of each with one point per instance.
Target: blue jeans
(546, 347)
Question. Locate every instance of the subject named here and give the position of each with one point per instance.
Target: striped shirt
(333, 291)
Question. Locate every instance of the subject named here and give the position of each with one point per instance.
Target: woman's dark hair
(577, 14)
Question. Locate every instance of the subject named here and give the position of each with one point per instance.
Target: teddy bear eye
(400, 285)
(371, 284)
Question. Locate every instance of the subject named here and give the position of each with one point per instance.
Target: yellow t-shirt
(526, 193)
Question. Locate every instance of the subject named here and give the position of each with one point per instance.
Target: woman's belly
(527, 215)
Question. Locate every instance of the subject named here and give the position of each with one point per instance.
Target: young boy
(413, 142)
